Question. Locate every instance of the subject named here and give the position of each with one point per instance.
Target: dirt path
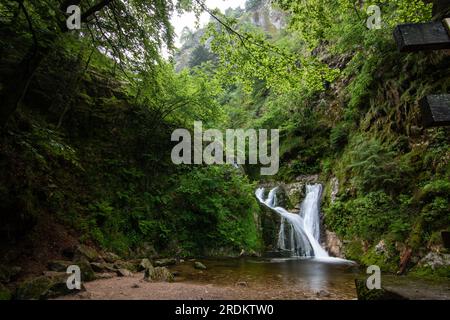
(135, 288)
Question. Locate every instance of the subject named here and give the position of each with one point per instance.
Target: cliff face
(261, 15)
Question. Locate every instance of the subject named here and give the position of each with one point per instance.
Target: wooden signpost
(435, 109)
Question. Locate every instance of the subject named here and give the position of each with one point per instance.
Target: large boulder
(158, 274)
(87, 272)
(45, 287)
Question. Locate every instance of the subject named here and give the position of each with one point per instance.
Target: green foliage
(216, 208)
(247, 56)
(368, 217)
(373, 166)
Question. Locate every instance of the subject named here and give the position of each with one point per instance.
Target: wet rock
(124, 273)
(158, 274)
(199, 265)
(333, 244)
(5, 294)
(250, 253)
(165, 262)
(144, 265)
(323, 294)
(45, 287)
(9, 273)
(295, 192)
(435, 260)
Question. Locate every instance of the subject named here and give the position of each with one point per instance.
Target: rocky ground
(136, 288)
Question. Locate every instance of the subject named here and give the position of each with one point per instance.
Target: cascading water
(305, 226)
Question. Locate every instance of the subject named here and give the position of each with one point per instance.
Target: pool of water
(288, 277)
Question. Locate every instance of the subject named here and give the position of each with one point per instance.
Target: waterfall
(305, 226)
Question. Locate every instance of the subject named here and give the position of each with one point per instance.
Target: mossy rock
(364, 293)
(44, 287)
(87, 252)
(158, 274)
(144, 265)
(5, 294)
(87, 273)
(125, 265)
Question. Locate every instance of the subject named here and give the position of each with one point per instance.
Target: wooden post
(435, 110)
(414, 37)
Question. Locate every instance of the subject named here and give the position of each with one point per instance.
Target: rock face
(334, 183)
(334, 245)
(435, 260)
(158, 274)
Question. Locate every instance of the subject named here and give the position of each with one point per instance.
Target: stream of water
(304, 228)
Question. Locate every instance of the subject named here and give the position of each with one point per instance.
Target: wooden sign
(435, 110)
(422, 36)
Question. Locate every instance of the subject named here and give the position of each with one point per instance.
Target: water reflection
(294, 274)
